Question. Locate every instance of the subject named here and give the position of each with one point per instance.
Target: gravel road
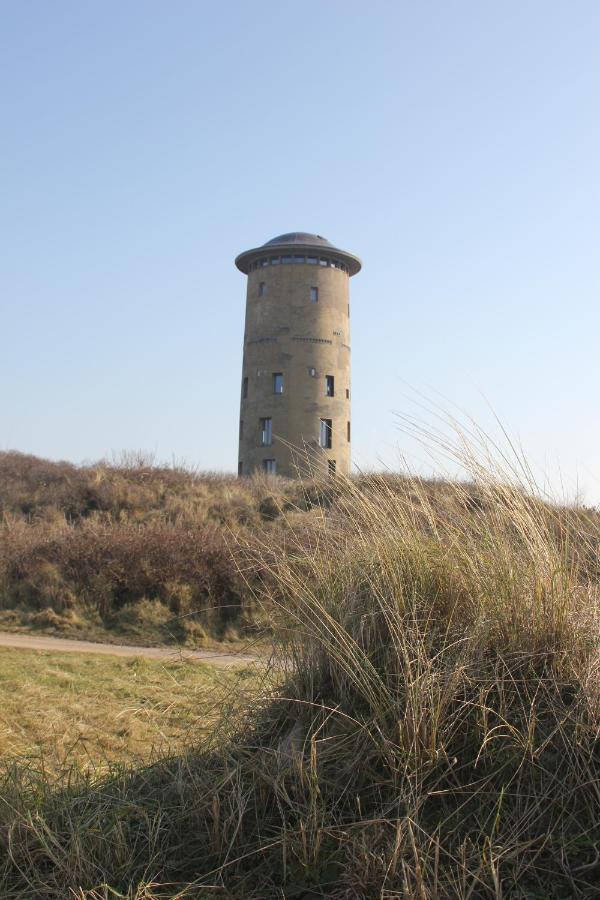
(66, 645)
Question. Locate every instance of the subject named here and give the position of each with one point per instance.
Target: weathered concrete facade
(296, 397)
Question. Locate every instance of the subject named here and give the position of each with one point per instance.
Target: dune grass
(434, 734)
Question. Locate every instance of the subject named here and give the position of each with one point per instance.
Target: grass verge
(84, 713)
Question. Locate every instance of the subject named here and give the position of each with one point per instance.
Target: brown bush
(108, 566)
(104, 537)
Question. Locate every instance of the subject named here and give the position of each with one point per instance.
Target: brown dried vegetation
(435, 733)
(125, 551)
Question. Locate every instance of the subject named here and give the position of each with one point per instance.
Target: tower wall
(287, 333)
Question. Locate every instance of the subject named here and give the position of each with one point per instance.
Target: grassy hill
(432, 731)
(130, 551)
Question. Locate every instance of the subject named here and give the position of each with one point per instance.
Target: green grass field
(87, 712)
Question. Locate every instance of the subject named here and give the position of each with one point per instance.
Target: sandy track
(60, 645)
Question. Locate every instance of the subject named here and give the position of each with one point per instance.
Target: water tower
(295, 403)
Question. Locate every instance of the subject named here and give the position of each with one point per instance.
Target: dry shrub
(105, 567)
(96, 538)
(132, 489)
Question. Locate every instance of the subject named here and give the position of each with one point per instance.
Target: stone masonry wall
(287, 333)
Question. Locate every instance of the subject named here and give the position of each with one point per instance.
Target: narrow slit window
(262, 289)
(329, 386)
(241, 429)
(277, 382)
(266, 432)
(347, 393)
(245, 388)
(331, 466)
(240, 468)
(325, 433)
(314, 295)
(270, 466)
(348, 428)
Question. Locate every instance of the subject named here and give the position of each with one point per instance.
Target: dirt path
(60, 645)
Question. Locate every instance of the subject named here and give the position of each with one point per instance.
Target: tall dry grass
(434, 733)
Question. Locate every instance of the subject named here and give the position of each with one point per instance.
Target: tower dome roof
(295, 241)
(300, 237)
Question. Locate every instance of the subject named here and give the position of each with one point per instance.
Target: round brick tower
(295, 406)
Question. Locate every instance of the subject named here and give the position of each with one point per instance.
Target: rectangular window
(348, 432)
(331, 466)
(311, 260)
(269, 466)
(264, 262)
(277, 383)
(274, 260)
(347, 393)
(245, 388)
(240, 468)
(323, 262)
(262, 289)
(266, 432)
(314, 295)
(325, 433)
(329, 386)
(298, 259)
(241, 429)
(286, 259)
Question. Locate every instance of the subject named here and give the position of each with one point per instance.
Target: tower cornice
(298, 243)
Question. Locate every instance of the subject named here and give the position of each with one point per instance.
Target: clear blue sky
(455, 147)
